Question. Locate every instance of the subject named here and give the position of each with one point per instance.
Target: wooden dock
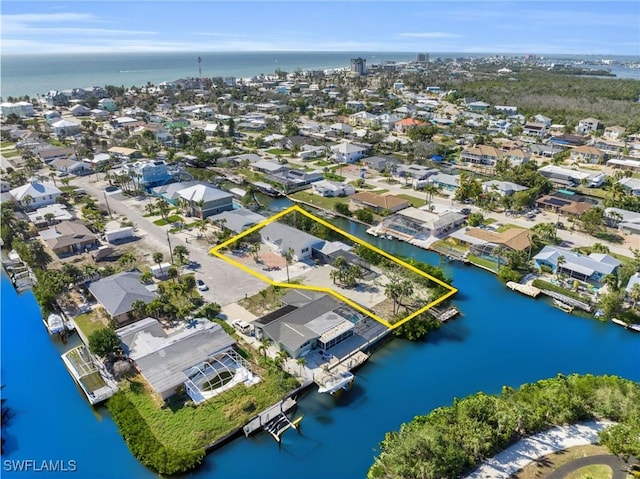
(568, 300)
(527, 289)
(443, 316)
(271, 419)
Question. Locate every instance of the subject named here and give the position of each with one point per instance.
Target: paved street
(227, 284)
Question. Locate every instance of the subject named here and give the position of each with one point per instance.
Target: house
(515, 239)
(50, 214)
(100, 115)
(80, 110)
(268, 167)
(478, 106)
(593, 267)
(419, 223)
(124, 153)
(292, 180)
(63, 128)
(480, 155)
(34, 194)
(48, 154)
(310, 152)
(534, 129)
(72, 167)
(347, 152)
(632, 185)
(378, 203)
(158, 130)
(402, 126)
(445, 181)
(108, 104)
(319, 324)
(362, 118)
(195, 356)
(205, 200)
(51, 116)
(333, 189)
(625, 164)
(149, 173)
(69, 237)
(237, 220)
(20, 108)
(563, 176)
(545, 120)
(563, 206)
(624, 220)
(118, 292)
(614, 132)
(587, 125)
(417, 172)
(587, 154)
(380, 163)
(634, 280)
(568, 140)
(283, 239)
(503, 188)
(516, 156)
(506, 109)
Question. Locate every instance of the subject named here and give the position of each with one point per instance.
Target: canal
(502, 338)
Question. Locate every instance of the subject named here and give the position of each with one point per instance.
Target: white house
(21, 108)
(108, 104)
(347, 152)
(34, 194)
(587, 125)
(65, 128)
(283, 238)
(332, 188)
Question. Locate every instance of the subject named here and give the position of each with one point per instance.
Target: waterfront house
(378, 203)
(635, 279)
(268, 167)
(347, 152)
(169, 192)
(484, 241)
(197, 356)
(34, 194)
(205, 200)
(503, 188)
(563, 176)
(69, 237)
(237, 220)
(319, 324)
(593, 267)
(291, 180)
(333, 189)
(587, 154)
(380, 163)
(562, 205)
(419, 222)
(283, 239)
(118, 292)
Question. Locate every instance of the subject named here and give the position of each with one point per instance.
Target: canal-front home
(593, 267)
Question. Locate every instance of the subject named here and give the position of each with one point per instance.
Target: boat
(567, 308)
(339, 382)
(55, 324)
(635, 327)
(619, 322)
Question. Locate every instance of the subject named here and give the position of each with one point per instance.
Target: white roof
(35, 190)
(346, 148)
(202, 193)
(64, 124)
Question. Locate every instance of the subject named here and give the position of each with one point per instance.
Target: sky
(521, 27)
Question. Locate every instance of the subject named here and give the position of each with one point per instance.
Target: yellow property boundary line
(216, 251)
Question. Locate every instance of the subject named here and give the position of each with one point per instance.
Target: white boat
(567, 308)
(340, 381)
(619, 322)
(635, 327)
(55, 324)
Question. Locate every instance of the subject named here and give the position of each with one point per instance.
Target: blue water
(37, 74)
(502, 338)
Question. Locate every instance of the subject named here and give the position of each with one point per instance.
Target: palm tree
(634, 294)
(263, 295)
(181, 252)
(288, 256)
(139, 308)
(561, 260)
(157, 258)
(430, 190)
(162, 207)
(335, 274)
(27, 200)
(264, 346)
(172, 273)
(301, 361)
(599, 248)
(611, 280)
(254, 249)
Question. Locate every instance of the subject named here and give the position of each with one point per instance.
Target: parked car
(242, 326)
(201, 285)
(465, 211)
(111, 189)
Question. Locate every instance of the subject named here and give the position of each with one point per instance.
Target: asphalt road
(617, 465)
(227, 284)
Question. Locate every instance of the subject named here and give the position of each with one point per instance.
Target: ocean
(502, 338)
(37, 74)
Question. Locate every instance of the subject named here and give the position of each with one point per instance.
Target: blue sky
(544, 26)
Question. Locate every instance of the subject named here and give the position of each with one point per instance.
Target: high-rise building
(359, 66)
(422, 58)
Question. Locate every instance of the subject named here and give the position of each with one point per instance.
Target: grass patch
(170, 219)
(89, 323)
(181, 299)
(595, 471)
(547, 464)
(317, 200)
(413, 201)
(490, 265)
(506, 227)
(263, 302)
(380, 191)
(278, 151)
(595, 192)
(542, 284)
(321, 163)
(4, 144)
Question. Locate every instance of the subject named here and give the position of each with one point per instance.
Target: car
(242, 326)
(202, 286)
(111, 189)
(465, 211)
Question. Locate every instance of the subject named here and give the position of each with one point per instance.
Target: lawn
(263, 302)
(317, 200)
(170, 219)
(415, 202)
(507, 226)
(89, 323)
(278, 151)
(547, 464)
(595, 471)
(183, 426)
(4, 144)
(483, 262)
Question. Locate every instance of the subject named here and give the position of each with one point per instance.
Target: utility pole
(170, 250)
(107, 202)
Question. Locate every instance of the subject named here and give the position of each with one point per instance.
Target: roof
(204, 193)
(67, 233)
(587, 150)
(586, 265)
(504, 186)
(35, 190)
(305, 323)
(410, 122)
(287, 236)
(517, 239)
(387, 202)
(118, 292)
(481, 150)
(163, 358)
(346, 148)
(170, 191)
(238, 220)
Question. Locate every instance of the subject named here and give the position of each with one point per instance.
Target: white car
(202, 286)
(242, 326)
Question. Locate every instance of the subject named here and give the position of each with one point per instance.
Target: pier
(443, 316)
(19, 272)
(568, 300)
(274, 420)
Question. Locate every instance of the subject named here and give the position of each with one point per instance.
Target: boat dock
(568, 300)
(19, 272)
(527, 289)
(94, 380)
(274, 420)
(443, 316)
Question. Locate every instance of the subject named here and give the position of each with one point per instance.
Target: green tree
(342, 208)
(172, 273)
(365, 216)
(475, 219)
(181, 253)
(157, 258)
(104, 342)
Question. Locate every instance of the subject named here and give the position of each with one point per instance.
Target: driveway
(617, 465)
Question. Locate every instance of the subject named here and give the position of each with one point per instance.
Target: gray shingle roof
(287, 237)
(119, 291)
